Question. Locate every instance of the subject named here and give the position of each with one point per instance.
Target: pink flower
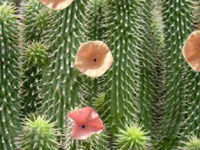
(56, 4)
(86, 122)
(191, 50)
(93, 58)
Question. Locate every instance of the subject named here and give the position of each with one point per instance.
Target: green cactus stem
(39, 134)
(60, 86)
(192, 104)
(94, 29)
(148, 69)
(132, 137)
(121, 18)
(36, 54)
(36, 19)
(34, 59)
(193, 143)
(9, 77)
(177, 26)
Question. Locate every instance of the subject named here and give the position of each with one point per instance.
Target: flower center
(94, 59)
(83, 126)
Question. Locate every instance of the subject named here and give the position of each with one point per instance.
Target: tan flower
(191, 50)
(93, 58)
(56, 4)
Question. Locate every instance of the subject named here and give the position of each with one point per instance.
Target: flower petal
(56, 4)
(86, 122)
(95, 125)
(93, 58)
(191, 50)
(80, 133)
(102, 69)
(89, 129)
(80, 116)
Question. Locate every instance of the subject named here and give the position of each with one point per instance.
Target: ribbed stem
(9, 77)
(148, 70)
(177, 26)
(36, 20)
(192, 89)
(93, 30)
(119, 103)
(34, 59)
(38, 133)
(60, 86)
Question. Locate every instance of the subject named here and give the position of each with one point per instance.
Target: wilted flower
(191, 50)
(93, 58)
(56, 4)
(86, 122)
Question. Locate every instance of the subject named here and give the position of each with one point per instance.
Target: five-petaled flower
(93, 58)
(191, 50)
(56, 4)
(86, 122)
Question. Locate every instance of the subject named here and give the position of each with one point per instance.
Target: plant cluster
(99, 75)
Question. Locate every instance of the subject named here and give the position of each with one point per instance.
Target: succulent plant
(34, 58)
(36, 54)
(192, 103)
(39, 133)
(121, 18)
(49, 64)
(9, 77)
(36, 19)
(193, 143)
(59, 82)
(175, 97)
(94, 28)
(132, 137)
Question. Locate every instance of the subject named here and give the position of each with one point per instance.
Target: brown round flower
(56, 4)
(93, 58)
(191, 50)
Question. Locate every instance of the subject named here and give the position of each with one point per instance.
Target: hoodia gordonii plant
(34, 55)
(33, 60)
(192, 103)
(121, 40)
(133, 137)
(131, 67)
(36, 19)
(177, 19)
(60, 86)
(148, 49)
(192, 143)
(9, 77)
(94, 28)
(38, 134)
